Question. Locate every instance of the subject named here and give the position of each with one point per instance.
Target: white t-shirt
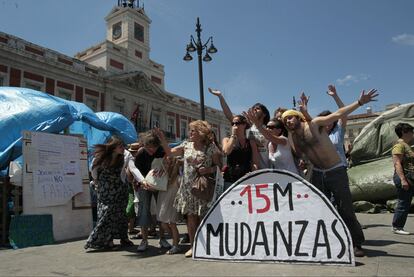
(282, 158)
(262, 143)
(129, 161)
(337, 136)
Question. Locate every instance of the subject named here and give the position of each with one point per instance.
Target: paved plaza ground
(387, 254)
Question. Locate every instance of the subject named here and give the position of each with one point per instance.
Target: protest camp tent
(27, 109)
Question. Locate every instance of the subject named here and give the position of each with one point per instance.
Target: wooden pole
(4, 210)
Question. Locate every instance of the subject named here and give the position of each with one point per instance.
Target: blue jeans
(144, 218)
(336, 181)
(403, 205)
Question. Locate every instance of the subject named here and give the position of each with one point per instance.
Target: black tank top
(238, 162)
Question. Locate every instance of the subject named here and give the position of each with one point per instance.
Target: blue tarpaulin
(27, 109)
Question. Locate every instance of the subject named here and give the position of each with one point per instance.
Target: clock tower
(127, 45)
(127, 25)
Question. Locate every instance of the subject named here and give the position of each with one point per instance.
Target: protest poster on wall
(274, 216)
(72, 218)
(56, 169)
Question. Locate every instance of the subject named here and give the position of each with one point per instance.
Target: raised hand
(365, 98)
(331, 90)
(251, 116)
(303, 102)
(160, 134)
(215, 92)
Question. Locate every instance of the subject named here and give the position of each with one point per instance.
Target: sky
(268, 50)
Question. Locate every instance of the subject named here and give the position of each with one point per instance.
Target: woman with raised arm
(242, 154)
(261, 113)
(112, 192)
(200, 157)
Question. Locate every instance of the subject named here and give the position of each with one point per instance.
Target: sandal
(126, 242)
(189, 253)
(152, 233)
(137, 236)
(173, 250)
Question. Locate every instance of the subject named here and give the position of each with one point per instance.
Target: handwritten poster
(274, 216)
(56, 169)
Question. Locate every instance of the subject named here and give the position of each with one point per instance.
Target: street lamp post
(197, 45)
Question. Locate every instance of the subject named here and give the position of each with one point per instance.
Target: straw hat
(134, 147)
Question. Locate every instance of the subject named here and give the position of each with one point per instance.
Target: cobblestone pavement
(387, 254)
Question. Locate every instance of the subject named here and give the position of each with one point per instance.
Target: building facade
(115, 75)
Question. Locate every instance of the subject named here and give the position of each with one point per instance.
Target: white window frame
(171, 119)
(155, 120)
(95, 99)
(183, 135)
(34, 85)
(5, 79)
(118, 107)
(140, 118)
(62, 93)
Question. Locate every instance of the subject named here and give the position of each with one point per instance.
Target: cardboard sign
(56, 169)
(274, 216)
(51, 175)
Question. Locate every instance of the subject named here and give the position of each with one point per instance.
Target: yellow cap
(292, 113)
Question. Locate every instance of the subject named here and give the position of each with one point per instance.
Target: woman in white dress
(200, 157)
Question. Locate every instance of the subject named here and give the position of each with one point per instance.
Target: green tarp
(372, 181)
(378, 137)
(371, 174)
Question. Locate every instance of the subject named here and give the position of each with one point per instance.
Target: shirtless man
(309, 138)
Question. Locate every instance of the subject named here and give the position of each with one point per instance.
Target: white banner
(275, 216)
(218, 190)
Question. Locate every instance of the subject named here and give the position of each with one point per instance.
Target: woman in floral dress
(112, 196)
(199, 155)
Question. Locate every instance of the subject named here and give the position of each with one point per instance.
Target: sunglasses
(271, 127)
(236, 123)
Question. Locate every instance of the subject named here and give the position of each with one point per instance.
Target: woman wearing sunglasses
(242, 153)
(280, 153)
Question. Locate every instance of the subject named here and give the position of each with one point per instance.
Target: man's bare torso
(314, 142)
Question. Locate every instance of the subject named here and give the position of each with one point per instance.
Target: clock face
(116, 30)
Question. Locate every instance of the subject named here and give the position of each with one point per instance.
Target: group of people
(199, 155)
(292, 140)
